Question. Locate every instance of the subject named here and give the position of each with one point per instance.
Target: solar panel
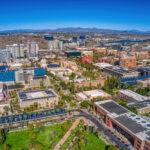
(112, 107)
(36, 95)
(130, 124)
(33, 116)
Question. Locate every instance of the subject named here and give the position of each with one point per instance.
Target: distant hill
(76, 30)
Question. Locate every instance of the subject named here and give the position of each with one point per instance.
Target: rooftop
(33, 95)
(145, 69)
(3, 68)
(135, 124)
(92, 94)
(102, 65)
(131, 124)
(52, 65)
(119, 69)
(140, 105)
(112, 107)
(134, 95)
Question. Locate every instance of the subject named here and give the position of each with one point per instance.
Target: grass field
(90, 142)
(93, 143)
(47, 136)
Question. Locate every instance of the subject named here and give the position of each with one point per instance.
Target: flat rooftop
(144, 69)
(53, 65)
(120, 70)
(92, 94)
(102, 65)
(140, 105)
(130, 124)
(113, 108)
(33, 95)
(137, 125)
(134, 95)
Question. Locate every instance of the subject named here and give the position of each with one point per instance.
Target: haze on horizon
(52, 14)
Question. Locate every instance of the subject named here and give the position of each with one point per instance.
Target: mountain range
(76, 30)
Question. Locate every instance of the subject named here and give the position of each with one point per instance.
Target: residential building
(32, 49)
(16, 50)
(55, 45)
(127, 61)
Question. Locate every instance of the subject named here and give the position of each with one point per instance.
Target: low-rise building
(90, 95)
(133, 127)
(73, 53)
(87, 59)
(131, 96)
(69, 64)
(133, 99)
(38, 82)
(120, 72)
(91, 83)
(102, 65)
(141, 107)
(43, 98)
(144, 83)
(12, 76)
(129, 62)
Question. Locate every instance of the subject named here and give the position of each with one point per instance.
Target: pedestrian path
(65, 137)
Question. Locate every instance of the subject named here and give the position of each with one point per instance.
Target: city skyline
(120, 15)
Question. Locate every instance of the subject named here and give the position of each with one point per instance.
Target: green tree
(6, 109)
(112, 83)
(85, 104)
(112, 147)
(2, 136)
(72, 76)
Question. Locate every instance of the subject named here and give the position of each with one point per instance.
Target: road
(102, 127)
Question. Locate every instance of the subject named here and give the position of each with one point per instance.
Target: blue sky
(40, 14)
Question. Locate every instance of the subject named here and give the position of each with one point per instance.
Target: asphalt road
(102, 127)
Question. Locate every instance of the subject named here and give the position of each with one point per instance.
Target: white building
(89, 95)
(102, 65)
(32, 49)
(55, 45)
(131, 96)
(16, 50)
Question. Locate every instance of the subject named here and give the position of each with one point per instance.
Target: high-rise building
(16, 50)
(32, 49)
(55, 45)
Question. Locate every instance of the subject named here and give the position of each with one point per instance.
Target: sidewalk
(65, 137)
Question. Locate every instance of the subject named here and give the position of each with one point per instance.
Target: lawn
(90, 142)
(48, 136)
(93, 142)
